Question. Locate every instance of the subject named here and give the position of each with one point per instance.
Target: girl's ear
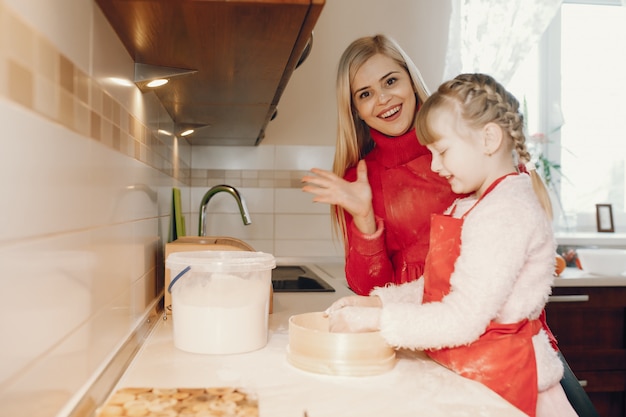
(492, 138)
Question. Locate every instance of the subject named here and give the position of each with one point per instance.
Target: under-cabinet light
(151, 76)
(158, 82)
(187, 132)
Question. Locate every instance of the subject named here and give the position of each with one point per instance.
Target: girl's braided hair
(480, 100)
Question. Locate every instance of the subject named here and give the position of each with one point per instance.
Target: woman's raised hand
(354, 197)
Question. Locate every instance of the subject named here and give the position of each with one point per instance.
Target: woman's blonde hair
(353, 135)
(480, 99)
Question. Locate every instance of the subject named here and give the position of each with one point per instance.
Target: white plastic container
(220, 300)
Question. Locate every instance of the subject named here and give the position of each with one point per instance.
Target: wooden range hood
(237, 57)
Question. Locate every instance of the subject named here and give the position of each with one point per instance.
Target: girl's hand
(354, 301)
(354, 197)
(355, 314)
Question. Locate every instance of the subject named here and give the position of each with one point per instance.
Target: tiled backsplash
(86, 184)
(285, 221)
(41, 78)
(247, 178)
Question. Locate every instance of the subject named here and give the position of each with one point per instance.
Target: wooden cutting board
(180, 402)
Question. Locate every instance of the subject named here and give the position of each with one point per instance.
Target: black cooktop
(297, 278)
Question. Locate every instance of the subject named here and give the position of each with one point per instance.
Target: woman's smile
(388, 114)
(383, 96)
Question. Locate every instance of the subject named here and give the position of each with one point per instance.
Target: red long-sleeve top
(404, 194)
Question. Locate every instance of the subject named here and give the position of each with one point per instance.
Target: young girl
(490, 266)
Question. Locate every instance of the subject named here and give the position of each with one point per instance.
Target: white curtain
(494, 36)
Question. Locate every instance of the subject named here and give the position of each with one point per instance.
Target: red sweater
(404, 194)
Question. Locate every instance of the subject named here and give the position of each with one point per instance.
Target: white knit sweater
(504, 272)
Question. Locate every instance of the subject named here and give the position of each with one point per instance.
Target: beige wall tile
(302, 227)
(18, 39)
(116, 138)
(249, 182)
(66, 74)
(95, 96)
(20, 84)
(107, 132)
(107, 107)
(47, 60)
(46, 97)
(307, 248)
(66, 108)
(4, 75)
(294, 200)
(82, 118)
(81, 86)
(96, 126)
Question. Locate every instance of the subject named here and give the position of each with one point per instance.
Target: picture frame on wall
(604, 218)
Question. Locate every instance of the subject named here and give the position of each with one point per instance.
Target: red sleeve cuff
(368, 244)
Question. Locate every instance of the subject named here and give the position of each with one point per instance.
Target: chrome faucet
(245, 215)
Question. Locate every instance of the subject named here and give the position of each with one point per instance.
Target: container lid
(221, 261)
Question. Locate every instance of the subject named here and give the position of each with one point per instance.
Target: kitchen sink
(298, 278)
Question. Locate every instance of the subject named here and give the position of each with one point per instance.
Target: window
(575, 91)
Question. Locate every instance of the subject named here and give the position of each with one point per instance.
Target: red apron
(503, 357)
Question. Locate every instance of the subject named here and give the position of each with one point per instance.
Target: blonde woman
(382, 190)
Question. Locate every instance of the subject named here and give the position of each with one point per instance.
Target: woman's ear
(492, 138)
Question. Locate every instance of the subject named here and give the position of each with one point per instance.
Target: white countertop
(415, 386)
(591, 239)
(573, 277)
